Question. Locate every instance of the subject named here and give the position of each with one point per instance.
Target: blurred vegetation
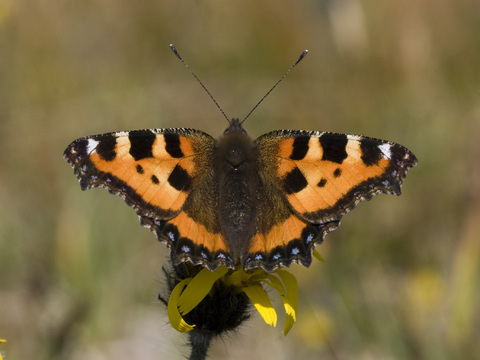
(79, 276)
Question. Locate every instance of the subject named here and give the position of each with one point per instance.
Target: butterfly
(235, 201)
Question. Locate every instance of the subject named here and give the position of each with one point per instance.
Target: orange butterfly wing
(158, 173)
(321, 177)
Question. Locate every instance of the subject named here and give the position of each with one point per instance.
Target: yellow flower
(189, 292)
(2, 341)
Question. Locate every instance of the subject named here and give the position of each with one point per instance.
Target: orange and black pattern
(287, 189)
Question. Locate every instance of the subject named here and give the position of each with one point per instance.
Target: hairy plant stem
(200, 343)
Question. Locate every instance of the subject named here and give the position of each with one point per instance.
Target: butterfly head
(235, 148)
(235, 126)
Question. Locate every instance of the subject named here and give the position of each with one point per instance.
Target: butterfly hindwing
(289, 241)
(191, 241)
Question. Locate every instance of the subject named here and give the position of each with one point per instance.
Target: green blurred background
(79, 276)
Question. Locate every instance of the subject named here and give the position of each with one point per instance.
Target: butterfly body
(237, 201)
(239, 187)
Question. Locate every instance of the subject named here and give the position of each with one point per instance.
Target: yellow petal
(240, 277)
(262, 303)
(237, 278)
(287, 302)
(2, 341)
(174, 315)
(198, 288)
(258, 275)
(277, 285)
(290, 283)
(291, 299)
(318, 256)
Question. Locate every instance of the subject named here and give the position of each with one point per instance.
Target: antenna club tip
(175, 51)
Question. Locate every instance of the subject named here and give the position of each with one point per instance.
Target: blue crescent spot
(309, 238)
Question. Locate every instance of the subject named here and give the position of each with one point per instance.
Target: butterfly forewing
(324, 175)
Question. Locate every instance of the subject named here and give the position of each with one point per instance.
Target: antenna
(175, 51)
(302, 55)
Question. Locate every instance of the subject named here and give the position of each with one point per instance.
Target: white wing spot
(385, 149)
(354, 137)
(91, 146)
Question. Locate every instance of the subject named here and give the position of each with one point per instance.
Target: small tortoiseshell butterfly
(259, 203)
